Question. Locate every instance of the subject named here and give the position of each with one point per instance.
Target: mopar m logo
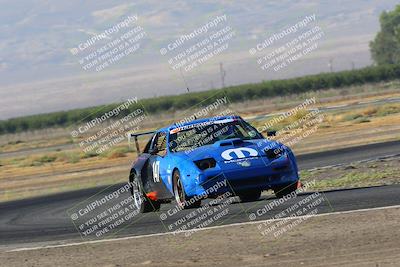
(239, 153)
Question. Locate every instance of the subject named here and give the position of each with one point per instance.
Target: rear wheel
(285, 190)
(180, 195)
(141, 201)
(249, 196)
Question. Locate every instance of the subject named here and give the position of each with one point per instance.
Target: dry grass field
(50, 161)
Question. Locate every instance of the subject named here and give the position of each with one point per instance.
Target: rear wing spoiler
(135, 137)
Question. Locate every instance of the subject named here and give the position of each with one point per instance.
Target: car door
(158, 162)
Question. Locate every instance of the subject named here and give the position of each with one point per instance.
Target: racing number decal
(156, 171)
(238, 152)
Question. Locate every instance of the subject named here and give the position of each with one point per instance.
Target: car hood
(230, 149)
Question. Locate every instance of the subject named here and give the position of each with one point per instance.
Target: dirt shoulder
(368, 238)
(375, 172)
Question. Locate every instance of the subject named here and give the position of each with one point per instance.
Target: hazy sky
(49, 48)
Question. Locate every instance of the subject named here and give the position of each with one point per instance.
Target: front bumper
(258, 174)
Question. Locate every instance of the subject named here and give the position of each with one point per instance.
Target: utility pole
(330, 64)
(223, 73)
(184, 80)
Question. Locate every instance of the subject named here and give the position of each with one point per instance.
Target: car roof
(198, 121)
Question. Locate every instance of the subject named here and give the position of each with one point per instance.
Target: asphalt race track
(45, 218)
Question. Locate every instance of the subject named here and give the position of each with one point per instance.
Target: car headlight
(205, 164)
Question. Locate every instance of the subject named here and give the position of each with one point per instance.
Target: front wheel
(181, 198)
(285, 190)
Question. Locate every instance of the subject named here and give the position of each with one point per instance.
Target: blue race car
(206, 158)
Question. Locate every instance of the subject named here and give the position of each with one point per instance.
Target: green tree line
(234, 93)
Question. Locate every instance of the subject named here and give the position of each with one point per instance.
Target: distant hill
(39, 74)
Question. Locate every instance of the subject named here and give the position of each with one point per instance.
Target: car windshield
(202, 134)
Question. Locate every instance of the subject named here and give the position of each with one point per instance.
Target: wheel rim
(179, 196)
(137, 198)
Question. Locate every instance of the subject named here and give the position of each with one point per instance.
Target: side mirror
(271, 133)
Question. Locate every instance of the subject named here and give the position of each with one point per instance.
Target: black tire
(180, 195)
(285, 190)
(140, 200)
(249, 196)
